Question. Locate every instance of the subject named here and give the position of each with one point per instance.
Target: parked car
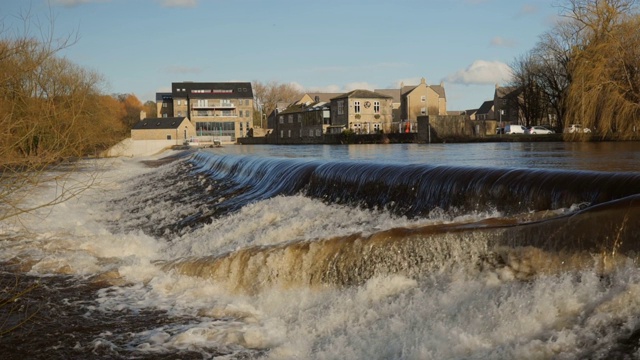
(539, 130)
(515, 129)
(577, 128)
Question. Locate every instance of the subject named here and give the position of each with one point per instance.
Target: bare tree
(554, 52)
(267, 96)
(527, 95)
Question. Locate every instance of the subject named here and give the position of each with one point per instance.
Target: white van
(514, 129)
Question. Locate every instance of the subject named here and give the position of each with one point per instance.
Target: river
(402, 251)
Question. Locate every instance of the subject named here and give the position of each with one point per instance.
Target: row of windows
(357, 106)
(205, 102)
(308, 119)
(367, 104)
(212, 91)
(312, 133)
(240, 113)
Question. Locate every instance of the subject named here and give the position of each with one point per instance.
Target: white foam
(452, 314)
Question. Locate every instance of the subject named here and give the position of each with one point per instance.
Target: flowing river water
(404, 251)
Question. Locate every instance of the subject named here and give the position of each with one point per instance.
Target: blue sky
(142, 46)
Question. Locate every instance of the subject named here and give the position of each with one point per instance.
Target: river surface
(403, 251)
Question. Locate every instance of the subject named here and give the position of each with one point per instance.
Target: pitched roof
(359, 93)
(297, 108)
(319, 97)
(159, 123)
(486, 107)
(504, 91)
(439, 89)
(394, 93)
(407, 89)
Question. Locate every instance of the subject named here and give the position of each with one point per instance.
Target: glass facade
(226, 128)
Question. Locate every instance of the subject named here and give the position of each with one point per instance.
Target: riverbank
(403, 138)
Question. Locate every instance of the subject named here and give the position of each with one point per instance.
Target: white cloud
(499, 41)
(482, 72)
(179, 3)
(297, 86)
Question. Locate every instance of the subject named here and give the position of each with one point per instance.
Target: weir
(604, 236)
(413, 190)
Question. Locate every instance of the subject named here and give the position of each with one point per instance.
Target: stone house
(471, 114)
(316, 97)
(422, 99)
(486, 111)
(363, 111)
(395, 104)
(302, 123)
(174, 130)
(505, 101)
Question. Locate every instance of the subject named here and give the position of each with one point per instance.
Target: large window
(376, 107)
(356, 107)
(340, 107)
(216, 129)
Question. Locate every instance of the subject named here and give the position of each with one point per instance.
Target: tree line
(585, 70)
(51, 110)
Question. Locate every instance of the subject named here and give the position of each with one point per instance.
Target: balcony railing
(213, 106)
(213, 113)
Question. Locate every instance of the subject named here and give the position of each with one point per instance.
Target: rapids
(406, 252)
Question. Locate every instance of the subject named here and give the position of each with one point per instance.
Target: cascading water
(247, 255)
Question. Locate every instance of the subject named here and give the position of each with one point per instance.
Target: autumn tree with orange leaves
(51, 111)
